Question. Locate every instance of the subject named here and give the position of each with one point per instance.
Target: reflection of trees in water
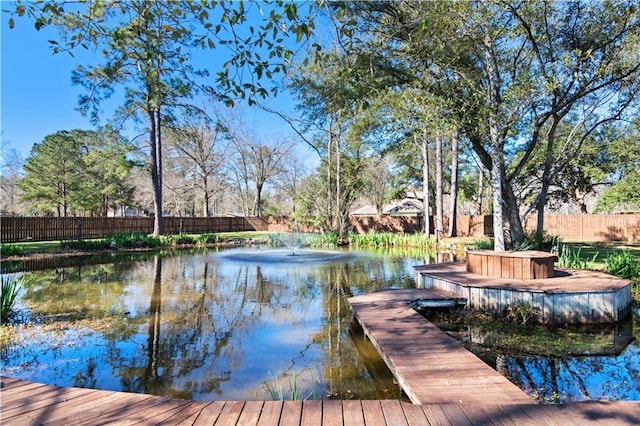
(578, 378)
(77, 292)
(188, 319)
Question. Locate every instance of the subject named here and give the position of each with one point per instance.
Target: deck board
(106, 407)
(429, 365)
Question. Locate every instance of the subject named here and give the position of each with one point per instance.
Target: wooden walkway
(430, 366)
(25, 403)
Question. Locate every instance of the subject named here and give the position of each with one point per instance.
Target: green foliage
(77, 171)
(621, 264)
(7, 250)
(572, 259)
(182, 239)
(545, 243)
(9, 291)
(137, 240)
(324, 239)
(127, 240)
(276, 390)
(389, 239)
(623, 196)
(86, 245)
(203, 240)
(483, 244)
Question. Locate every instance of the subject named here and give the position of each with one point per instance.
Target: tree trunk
(513, 214)
(480, 189)
(257, 210)
(425, 182)
(439, 191)
(156, 168)
(496, 147)
(453, 205)
(546, 177)
(329, 187)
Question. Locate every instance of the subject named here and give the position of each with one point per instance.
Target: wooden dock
(569, 297)
(25, 403)
(430, 366)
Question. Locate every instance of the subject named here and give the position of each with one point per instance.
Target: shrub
(9, 290)
(7, 250)
(545, 243)
(136, 240)
(182, 239)
(483, 244)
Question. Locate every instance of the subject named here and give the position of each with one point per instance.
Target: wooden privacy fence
(466, 225)
(590, 227)
(615, 227)
(22, 229)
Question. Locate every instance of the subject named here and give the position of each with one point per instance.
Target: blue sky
(37, 96)
(38, 99)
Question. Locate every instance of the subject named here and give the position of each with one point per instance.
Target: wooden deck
(430, 366)
(24, 403)
(569, 297)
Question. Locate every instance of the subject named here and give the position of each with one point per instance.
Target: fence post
(79, 229)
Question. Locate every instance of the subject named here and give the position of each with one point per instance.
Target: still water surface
(215, 325)
(258, 324)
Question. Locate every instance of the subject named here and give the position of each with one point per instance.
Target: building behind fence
(568, 227)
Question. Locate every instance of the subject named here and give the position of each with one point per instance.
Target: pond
(232, 324)
(259, 324)
(556, 364)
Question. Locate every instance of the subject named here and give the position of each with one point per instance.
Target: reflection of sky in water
(224, 327)
(579, 378)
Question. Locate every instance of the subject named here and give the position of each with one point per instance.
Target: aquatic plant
(389, 239)
(182, 239)
(277, 393)
(521, 314)
(9, 290)
(620, 264)
(206, 238)
(570, 258)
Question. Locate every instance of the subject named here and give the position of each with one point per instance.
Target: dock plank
(353, 412)
(106, 407)
(429, 365)
(270, 415)
(209, 414)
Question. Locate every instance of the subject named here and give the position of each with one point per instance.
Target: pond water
(557, 364)
(259, 324)
(232, 324)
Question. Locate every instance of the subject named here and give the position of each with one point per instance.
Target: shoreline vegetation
(616, 258)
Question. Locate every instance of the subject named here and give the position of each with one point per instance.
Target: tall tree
(201, 144)
(77, 171)
(510, 72)
(255, 164)
(53, 172)
(10, 176)
(147, 50)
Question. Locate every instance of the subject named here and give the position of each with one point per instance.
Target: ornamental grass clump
(572, 259)
(9, 291)
(620, 264)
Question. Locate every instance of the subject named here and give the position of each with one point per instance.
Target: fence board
(23, 229)
(615, 227)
